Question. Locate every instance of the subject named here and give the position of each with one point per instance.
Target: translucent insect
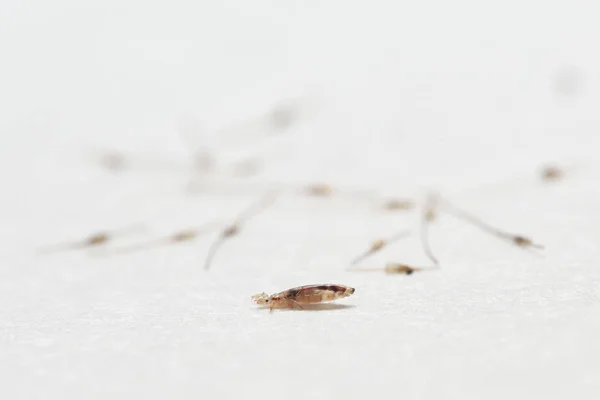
(234, 228)
(516, 239)
(114, 161)
(247, 167)
(118, 162)
(325, 190)
(379, 244)
(297, 296)
(93, 240)
(395, 268)
(568, 81)
(398, 204)
(319, 190)
(181, 236)
(551, 173)
(428, 215)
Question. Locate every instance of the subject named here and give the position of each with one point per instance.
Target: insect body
(97, 239)
(398, 204)
(297, 296)
(378, 245)
(235, 227)
(395, 268)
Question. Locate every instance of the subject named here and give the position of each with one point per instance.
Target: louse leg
(295, 303)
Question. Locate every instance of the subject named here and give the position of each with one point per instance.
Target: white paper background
(401, 97)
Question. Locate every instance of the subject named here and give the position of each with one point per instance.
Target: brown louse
(398, 204)
(309, 294)
(551, 173)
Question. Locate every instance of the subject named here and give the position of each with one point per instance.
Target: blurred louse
(94, 240)
(318, 190)
(206, 157)
(325, 190)
(113, 161)
(516, 239)
(398, 204)
(379, 244)
(551, 173)
(119, 162)
(180, 236)
(396, 269)
(428, 215)
(434, 205)
(369, 199)
(244, 136)
(568, 82)
(235, 227)
(555, 172)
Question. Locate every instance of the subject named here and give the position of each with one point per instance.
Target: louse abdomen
(322, 293)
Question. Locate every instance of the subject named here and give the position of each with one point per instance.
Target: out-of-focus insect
(297, 296)
(114, 161)
(379, 244)
(516, 239)
(395, 268)
(234, 228)
(118, 162)
(325, 190)
(94, 240)
(319, 190)
(181, 236)
(551, 173)
(428, 215)
(568, 81)
(398, 204)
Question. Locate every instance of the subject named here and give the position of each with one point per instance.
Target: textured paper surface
(457, 97)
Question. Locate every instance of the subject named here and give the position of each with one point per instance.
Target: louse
(234, 228)
(181, 236)
(94, 240)
(519, 240)
(309, 294)
(552, 173)
(396, 268)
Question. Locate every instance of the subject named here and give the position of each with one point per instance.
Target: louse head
(261, 298)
